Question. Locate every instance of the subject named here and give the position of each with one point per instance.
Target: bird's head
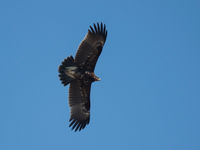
(95, 77)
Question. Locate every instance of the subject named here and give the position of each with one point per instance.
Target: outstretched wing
(79, 102)
(91, 47)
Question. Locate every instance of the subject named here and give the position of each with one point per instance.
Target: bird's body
(79, 73)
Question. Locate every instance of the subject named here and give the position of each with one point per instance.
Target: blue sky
(149, 96)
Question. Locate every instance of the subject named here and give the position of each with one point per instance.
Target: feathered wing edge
(78, 125)
(99, 29)
(79, 102)
(91, 47)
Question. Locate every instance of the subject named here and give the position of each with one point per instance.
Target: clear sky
(149, 96)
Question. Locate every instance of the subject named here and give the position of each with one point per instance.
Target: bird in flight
(78, 72)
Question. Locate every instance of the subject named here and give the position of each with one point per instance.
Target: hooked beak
(95, 77)
(98, 79)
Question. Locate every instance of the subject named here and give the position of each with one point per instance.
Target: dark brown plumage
(79, 73)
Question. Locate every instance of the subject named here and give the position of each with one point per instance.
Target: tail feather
(68, 62)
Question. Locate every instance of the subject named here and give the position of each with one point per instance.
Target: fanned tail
(64, 70)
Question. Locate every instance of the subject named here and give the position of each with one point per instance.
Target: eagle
(78, 72)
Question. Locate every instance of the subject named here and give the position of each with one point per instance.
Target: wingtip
(95, 28)
(77, 125)
(98, 28)
(91, 29)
